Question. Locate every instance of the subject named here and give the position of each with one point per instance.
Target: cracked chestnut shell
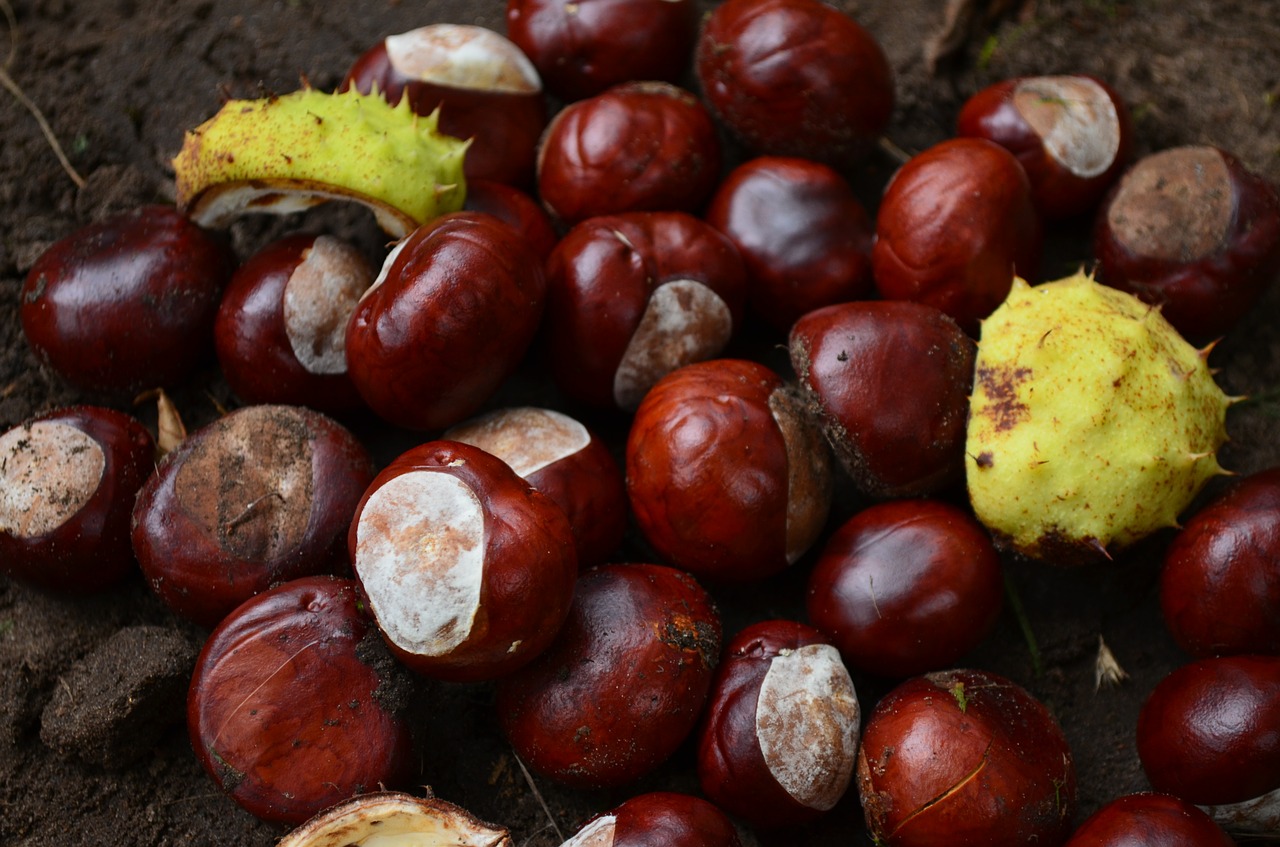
(632, 297)
(68, 479)
(1220, 584)
(1194, 232)
(584, 47)
(658, 819)
(795, 78)
(294, 705)
(852, 360)
(780, 733)
(637, 147)
(127, 303)
(260, 496)
(623, 683)
(727, 477)
(1150, 820)
(804, 237)
(955, 225)
(965, 758)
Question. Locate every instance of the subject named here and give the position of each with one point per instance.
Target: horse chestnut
(468, 570)
(624, 682)
(515, 208)
(1150, 820)
(658, 819)
(68, 480)
(727, 477)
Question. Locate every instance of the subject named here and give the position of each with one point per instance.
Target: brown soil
(93, 749)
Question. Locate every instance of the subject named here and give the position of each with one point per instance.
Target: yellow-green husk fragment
(287, 153)
(1092, 422)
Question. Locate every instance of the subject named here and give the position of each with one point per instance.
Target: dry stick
(533, 786)
(18, 94)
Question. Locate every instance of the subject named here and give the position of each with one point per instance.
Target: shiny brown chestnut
(485, 87)
(281, 328)
(1210, 734)
(727, 476)
(1193, 231)
(658, 819)
(852, 361)
(955, 225)
(257, 497)
(294, 704)
(584, 47)
(624, 682)
(632, 297)
(127, 303)
(907, 587)
(1071, 133)
(564, 460)
(1149, 820)
(804, 237)
(447, 320)
(1220, 584)
(468, 570)
(637, 147)
(965, 758)
(68, 479)
(515, 208)
(795, 78)
(780, 734)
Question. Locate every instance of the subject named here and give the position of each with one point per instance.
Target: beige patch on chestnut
(48, 472)
(600, 832)
(1076, 120)
(461, 56)
(810, 481)
(528, 439)
(1175, 205)
(319, 298)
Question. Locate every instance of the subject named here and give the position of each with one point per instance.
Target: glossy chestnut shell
(780, 735)
(624, 682)
(906, 587)
(955, 225)
(658, 819)
(127, 303)
(1220, 585)
(852, 360)
(515, 208)
(293, 705)
(803, 235)
(1149, 820)
(68, 479)
(965, 758)
(795, 78)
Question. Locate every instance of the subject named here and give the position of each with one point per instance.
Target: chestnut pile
(626, 233)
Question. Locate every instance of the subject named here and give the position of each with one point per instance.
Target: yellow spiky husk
(1092, 422)
(286, 153)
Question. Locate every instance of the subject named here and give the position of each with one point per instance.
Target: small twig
(895, 152)
(1020, 614)
(13, 88)
(533, 786)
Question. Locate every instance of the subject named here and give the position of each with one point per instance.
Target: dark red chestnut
(485, 87)
(1193, 231)
(468, 570)
(1149, 820)
(632, 297)
(1220, 586)
(448, 319)
(853, 361)
(965, 758)
(293, 703)
(584, 47)
(516, 208)
(658, 819)
(638, 147)
(624, 682)
(127, 303)
(727, 477)
(907, 587)
(1210, 734)
(955, 224)
(778, 742)
(260, 496)
(281, 327)
(795, 78)
(564, 460)
(1072, 135)
(68, 479)
(803, 235)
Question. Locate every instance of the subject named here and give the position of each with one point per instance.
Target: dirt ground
(93, 749)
